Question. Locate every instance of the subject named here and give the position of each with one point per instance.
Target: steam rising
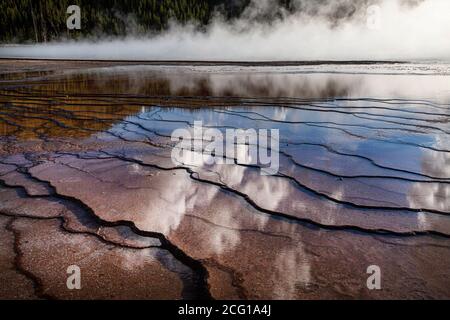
(310, 30)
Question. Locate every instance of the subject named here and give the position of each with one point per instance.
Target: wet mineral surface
(87, 178)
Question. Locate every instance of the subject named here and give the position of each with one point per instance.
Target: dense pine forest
(28, 21)
(45, 20)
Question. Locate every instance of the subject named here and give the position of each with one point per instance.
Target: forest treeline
(45, 20)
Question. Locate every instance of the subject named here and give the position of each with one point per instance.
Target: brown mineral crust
(123, 235)
(107, 271)
(15, 204)
(231, 238)
(281, 261)
(33, 188)
(14, 284)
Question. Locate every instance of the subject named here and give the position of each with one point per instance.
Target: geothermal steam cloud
(315, 30)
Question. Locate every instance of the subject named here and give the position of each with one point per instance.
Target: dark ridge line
(102, 238)
(198, 268)
(289, 101)
(412, 245)
(36, 282)
(12, 124)
(331, 104)
(367, 176)
(70, 165)
(56, 122)
(354, 114)
(61, 125)
(68, 114)
(372, 200)
(269, 234)
(212, 62)
(329, 108)
(236, 277)
(354, 205)
(370, 160)
(64, 126)
(374, 107)
(120, 137)
(59, 104)
(93, 176)
(377, 118)
(408, 124)
(298, 100)
(398, 142)
(395, 101)
(8, 172)
(343, 130)
(391, 101)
